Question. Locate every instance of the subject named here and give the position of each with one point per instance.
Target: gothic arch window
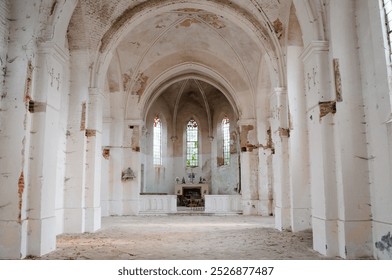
(157, 141)
(192, 144)
(387, 4)
(226, 140)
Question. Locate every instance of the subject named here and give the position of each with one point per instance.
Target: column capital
(54, 49)
(278, 91)
(241, 122)
(95, 91)
(129, 123)
(314, 47)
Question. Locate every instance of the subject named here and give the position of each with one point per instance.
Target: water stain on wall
(385, 244)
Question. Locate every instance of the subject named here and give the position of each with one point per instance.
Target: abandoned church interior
(276, 108)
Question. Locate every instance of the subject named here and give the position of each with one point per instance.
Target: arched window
(157, 144)
(226, 140)
(388, 22)
(192, 144)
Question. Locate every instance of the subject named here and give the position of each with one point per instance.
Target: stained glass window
(226, 140)
(157, 145)
(192, 144)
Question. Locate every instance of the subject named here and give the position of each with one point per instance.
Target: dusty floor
(185, 237)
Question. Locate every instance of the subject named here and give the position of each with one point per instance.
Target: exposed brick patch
(106, 153)
(284, 132)
(91, 132)
(28, 82)
(20, 194)
(244, 141)
(83, 118)
(213, 20)
(187, 22)
(338, 81)
(141, 84)
(327, 107)
(278, 28)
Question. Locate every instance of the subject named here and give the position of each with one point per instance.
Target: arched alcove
(178, 103)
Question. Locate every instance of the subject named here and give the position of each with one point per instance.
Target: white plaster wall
(223, 204)
(299, 152)
(375, 72)
(158, 204)
(61, 156)
(159, 179)
(350, 138)
(115, 190)
(14, 135)
(225, 178)
(74, 193)
(4, 31)
(106, 171)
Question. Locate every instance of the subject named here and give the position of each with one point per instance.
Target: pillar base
(355, 239)
(282, 218)
(13, 240)
(42, 237)
(93, 219)
(264, 208)
(325, 237)
(250, 207)
(74, 220)
(300, 219)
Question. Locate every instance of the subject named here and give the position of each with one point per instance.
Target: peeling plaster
(284, 132)
(28, 82)
(187, 22)
(278, 28)
(212, 20)
(270, 143)
(141, 84)
(83, 117)
(327, 107)
(244, 142)
(91, 132)
(20, 194)
(106, 153)
(338, 82)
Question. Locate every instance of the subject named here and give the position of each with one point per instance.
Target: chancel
(260, 107)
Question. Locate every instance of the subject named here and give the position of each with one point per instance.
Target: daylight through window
(157, 145)
(226, 140)
(192, 144)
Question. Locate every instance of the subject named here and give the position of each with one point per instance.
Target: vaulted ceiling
(149, 45)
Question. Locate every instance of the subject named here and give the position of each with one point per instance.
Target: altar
(191, 195)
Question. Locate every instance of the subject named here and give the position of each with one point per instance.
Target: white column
(115, 191)
(93, 161)
(15, 122)
(265, 182)
(354, 210)
(249, 167)
(132, 160)
(45, 111)
(105, 167)
(299, 153)
(321, 118)
(75, 174)
(280, 137)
